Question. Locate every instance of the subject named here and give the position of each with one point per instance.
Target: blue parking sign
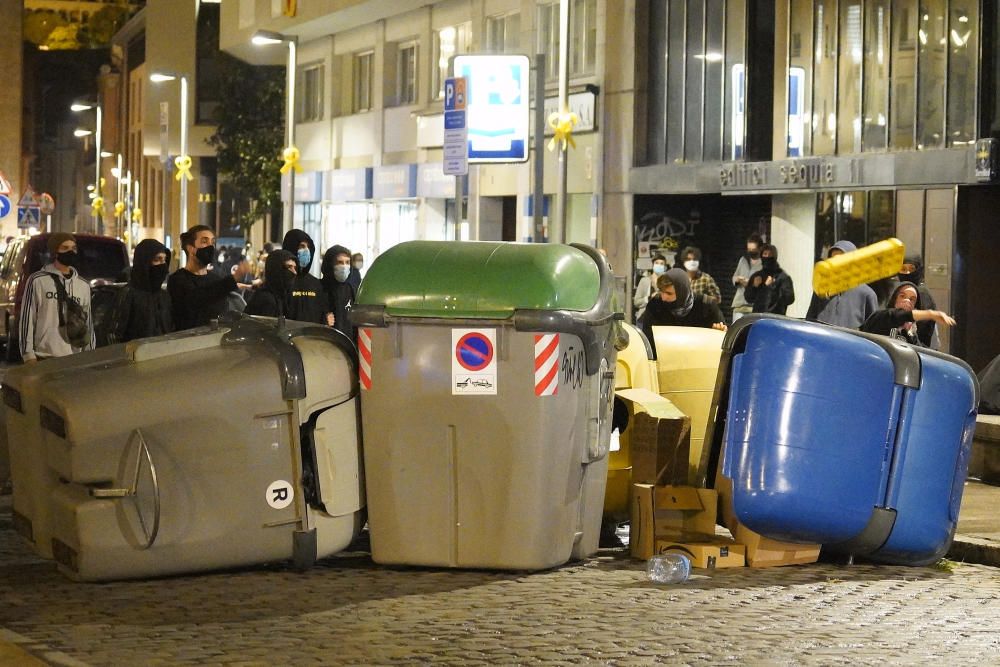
(4, 206)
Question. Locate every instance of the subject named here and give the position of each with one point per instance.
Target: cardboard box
(765, 552)
(670, 512)
(659, 438)
(714, 554)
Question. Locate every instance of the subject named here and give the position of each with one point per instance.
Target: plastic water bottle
(669, 568)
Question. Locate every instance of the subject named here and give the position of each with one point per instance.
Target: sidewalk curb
(966, 549)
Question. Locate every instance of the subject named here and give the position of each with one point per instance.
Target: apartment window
(406, 74)
(363, 69)
(310, 93)
(207, 76)
(503, 33)
(449, 41)
(582, 37)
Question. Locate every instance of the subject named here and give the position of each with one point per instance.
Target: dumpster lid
(480, 279)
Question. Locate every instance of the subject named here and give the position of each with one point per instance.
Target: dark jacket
(340, 295)
(309, 301)
(273, 298)
(926, 329)
(890, 321)
(660, 313)
(142, 309)
(850, 308)
(197, 299)
(773, 298)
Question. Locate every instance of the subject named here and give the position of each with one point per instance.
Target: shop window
(448, 42)
(963, 71)
(363, 78)
(932, 56)
(857, 216)
(503, 33)
(310, 93)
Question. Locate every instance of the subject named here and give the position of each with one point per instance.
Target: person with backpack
(55, 313)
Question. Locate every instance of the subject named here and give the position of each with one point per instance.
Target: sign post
(456, 160)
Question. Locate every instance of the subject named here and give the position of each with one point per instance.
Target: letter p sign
(449, 94)
(279, 494)
(454, 94)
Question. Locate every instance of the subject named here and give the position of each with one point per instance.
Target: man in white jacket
(41, 335)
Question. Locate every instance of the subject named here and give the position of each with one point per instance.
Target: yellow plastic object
(688, 363)
(864, 265)
(633, 370)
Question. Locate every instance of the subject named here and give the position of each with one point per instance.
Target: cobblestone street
(604, 611)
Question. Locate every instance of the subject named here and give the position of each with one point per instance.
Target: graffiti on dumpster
(572, 368)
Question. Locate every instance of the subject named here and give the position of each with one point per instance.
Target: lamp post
(182, 161)
(98, 203)
(291, 153)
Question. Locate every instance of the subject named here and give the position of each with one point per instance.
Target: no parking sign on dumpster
(474, 363)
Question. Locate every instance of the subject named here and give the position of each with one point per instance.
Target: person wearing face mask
(748, 265)
(907, 311)
(337, 283)
(701, 283)
(197, 295)
(770, 290)
(142, 309)
(274, 297)
(357, 263)
(676, 305)
(912, 272)
(646, 287)
(309, 301)
(42, 329)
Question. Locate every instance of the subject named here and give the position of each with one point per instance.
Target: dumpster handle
(132, 490)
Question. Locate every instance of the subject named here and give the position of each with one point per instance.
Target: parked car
(104, 262)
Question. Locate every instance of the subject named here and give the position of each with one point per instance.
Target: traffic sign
(28, 216)
(474, 351)
(497, 93)
(28, 198)
(4, 184)
(473, 362)
(46, 203)
(456, 135)
(4, 206)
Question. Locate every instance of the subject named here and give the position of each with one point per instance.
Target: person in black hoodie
(195, 294)
(907, 311)
(912, 272)
(309, 302)
(274, 297)
(675, 305)
(142, 309)
(770, 290)
(340, 292)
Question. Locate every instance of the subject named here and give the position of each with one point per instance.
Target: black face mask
(67, 258)
(157, 274)
(205, 255)
(753, 255)
(769, 263)
(915, 278)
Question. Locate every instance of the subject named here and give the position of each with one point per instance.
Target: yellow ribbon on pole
(562, 128)
(291, 157)
(119, 208)
(137, 214)
(183, 164)
(97, 205)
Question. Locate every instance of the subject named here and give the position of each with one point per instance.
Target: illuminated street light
(82, 133)
(98, 202)
(182, 161)
(291, 153)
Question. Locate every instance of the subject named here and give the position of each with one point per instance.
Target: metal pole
(97, 169)
(184, 151)
(538, 196)
(136, 204)
(563, 109)
(118, 192)
(459, 200)
(287, 218)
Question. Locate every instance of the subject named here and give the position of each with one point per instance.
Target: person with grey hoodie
(848, 309)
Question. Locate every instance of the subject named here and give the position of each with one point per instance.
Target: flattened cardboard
(765, 552)
(659, 438)
(670, 512)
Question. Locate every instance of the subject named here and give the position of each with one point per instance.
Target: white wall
(793, 233)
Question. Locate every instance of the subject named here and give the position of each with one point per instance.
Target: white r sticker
(280, 494)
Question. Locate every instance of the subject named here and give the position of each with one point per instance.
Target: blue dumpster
(850, 440)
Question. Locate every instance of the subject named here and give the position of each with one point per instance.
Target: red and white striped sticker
(365, 358)
(546, 364)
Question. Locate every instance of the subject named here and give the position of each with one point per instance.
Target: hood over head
(326, 268)
(144, 253)
(891, 302)
(277, 278)
(917, 276)
(291, 244)
(844, 246)
(682, 286)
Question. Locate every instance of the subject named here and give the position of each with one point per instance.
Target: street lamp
(98, 202)
(291, 153)
(182, 161)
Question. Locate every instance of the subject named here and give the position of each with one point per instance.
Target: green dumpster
(487, 379)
